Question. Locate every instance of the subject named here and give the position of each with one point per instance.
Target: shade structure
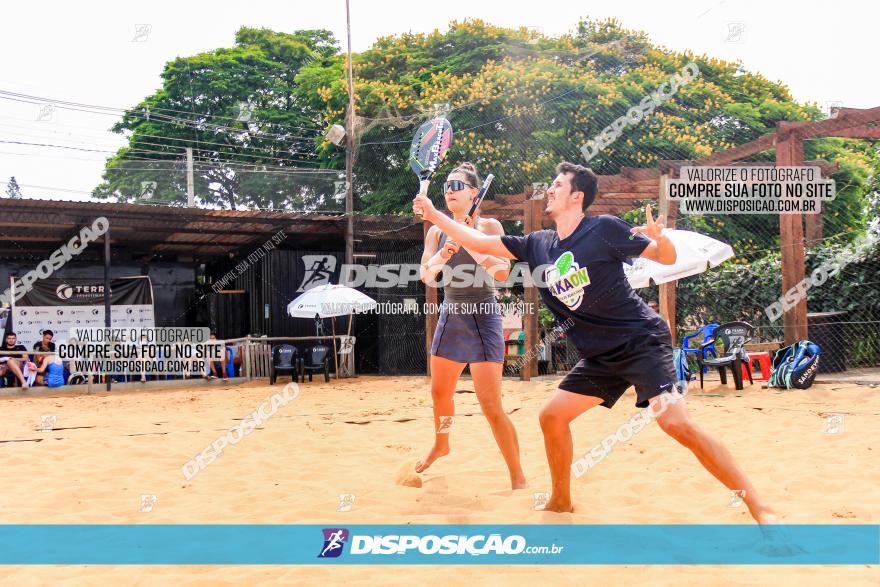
(327, 301)
(695, 253)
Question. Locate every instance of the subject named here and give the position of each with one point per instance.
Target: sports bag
(682, 367)
(795, 366)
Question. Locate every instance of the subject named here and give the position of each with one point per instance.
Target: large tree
(239, 110)
(522, 102)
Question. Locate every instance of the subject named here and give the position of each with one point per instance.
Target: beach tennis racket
(478, 199)
(427, 151)
(475, 203)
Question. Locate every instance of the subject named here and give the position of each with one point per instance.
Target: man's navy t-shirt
(586, 282)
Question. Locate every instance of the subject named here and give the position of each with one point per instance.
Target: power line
(166, 203)
(161, 118)
(146, 108)
(149, 151)
(133, 140)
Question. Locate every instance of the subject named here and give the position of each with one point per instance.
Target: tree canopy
(519, 103)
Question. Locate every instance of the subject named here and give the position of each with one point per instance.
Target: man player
(620, 340)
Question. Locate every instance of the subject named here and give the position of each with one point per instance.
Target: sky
(112, 54)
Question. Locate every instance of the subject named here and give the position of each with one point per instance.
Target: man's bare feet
(436, 452)
(765, 516)
(559, 506)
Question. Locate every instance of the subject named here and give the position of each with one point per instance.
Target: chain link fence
(564, 113)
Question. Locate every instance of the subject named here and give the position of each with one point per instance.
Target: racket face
(478, 199)
(429, 146)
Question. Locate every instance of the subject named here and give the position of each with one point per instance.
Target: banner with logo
(61, 304)
(479, 544)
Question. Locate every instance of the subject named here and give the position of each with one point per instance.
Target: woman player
(463, 336)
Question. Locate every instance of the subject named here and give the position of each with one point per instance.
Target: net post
(431, 317)
(669, 211)
(532, 212)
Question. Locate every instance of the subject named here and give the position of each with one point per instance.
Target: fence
(519, 103)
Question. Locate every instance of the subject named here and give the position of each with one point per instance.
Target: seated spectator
(44, 346)
(51, 371)
(214, 366)
(18, 364)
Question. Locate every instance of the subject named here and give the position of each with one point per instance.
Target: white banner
(30, 321)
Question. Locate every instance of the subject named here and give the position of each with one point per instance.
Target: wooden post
(532, 212)
(667, 290)
(335, 357)
(815, 225)
(790, 152)
(349, 150)
(247, 358)
(431, 317)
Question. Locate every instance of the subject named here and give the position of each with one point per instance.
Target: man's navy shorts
(643, 361)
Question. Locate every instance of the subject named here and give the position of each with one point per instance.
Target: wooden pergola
(620, 193)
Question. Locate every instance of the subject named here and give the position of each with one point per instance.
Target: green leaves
(241, 112)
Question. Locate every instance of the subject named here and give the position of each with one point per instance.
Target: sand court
(335, 454)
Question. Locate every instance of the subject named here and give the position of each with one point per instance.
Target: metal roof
(32, 229)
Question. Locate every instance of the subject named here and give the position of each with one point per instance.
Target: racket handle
(423, 191)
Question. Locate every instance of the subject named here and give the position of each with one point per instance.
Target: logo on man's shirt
(566, 280)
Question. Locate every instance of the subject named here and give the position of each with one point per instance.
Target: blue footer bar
(171, 544)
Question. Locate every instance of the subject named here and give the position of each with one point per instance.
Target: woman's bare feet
(518, 481)
(558, 505)
(437, 451)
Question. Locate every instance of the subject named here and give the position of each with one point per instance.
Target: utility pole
(349, 151)
(108, 313)
(190, 184)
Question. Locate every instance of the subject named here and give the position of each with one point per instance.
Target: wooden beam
(639, 173)
(790, 152)
(669, 210)
(858, 132)
(532, 212)
(431, 316)
(673, 167)
(635, 192)
(734, 154)
(846, 118)
(617, 183)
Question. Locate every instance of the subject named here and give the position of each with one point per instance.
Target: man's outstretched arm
(463, 235)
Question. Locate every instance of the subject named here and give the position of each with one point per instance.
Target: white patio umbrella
(329, 301)
(695, 253)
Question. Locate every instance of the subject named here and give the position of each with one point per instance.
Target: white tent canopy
(330, 300)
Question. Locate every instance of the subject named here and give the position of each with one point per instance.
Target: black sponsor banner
(87, 292)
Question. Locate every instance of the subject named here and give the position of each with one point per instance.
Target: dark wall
(386, 343)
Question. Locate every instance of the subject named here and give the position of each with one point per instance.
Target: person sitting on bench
(16, 363)
(215, 367)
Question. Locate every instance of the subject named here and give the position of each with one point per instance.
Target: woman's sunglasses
(456, 185)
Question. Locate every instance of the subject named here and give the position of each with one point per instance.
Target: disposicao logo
(334, 540)
(566, 280)
(493, 544)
